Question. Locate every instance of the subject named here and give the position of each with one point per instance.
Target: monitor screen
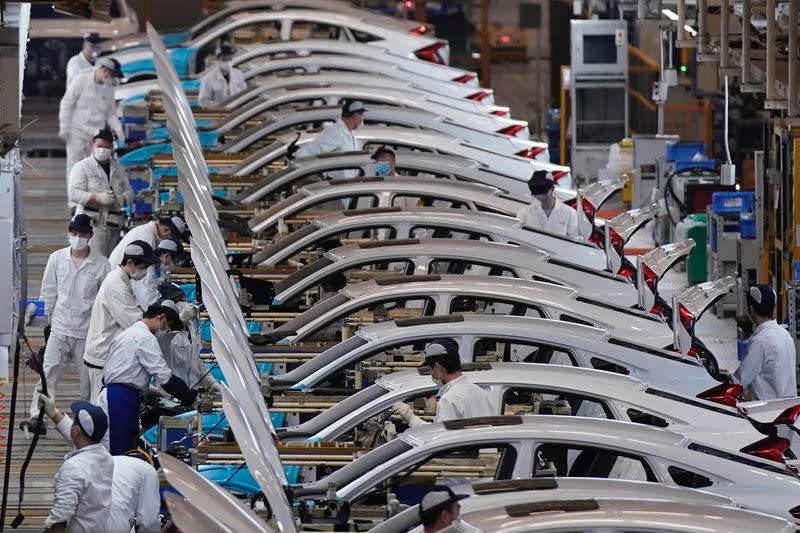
(599, 49)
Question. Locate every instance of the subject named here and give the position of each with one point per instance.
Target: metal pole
(681, 20)
(771, 50)
(486, 64)
(701, 26)
(792, 96)
(746, 15)
(724, 57)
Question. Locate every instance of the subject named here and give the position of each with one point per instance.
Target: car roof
(511, 254)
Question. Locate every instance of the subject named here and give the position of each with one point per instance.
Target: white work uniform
(459, 398)
(336, 138)
(134, 496)
(134, 358)
(215, 89)
(182, 353)
(68, 291)
(768, 367)
(88, 177)
(114, 311)
(83, 485)
(144, 232)
(85, 108)
(563, 220)
(77, 64)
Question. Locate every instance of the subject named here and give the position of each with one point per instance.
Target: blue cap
(91, 419)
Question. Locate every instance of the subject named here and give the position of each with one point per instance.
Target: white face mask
(78, 243)
(543, 198)
(102, 154)
(225, 66)
(139, 274)
(436, 380)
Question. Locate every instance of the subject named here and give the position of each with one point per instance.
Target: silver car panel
(689, 305)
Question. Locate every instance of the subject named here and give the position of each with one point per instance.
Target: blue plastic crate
(732, 203)
(682, 151)
(39, 307)
(747, 228)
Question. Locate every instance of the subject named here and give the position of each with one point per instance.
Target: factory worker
(83, 60)
(222, 80)
(115, 309)
(72, 277)
(152, 233)
(98, 186)
(135, 496)
(439, 508)
(547, 213)
(182, 347)
(87, 106)
(134, 358)
(336, 138)
(768, 367)
(458, 397)
(385, 160)
(83, 482)
(146, 291)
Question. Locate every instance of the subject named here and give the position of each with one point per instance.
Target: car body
(572, 446)
(544, 389)
(282, 25)
(509, 337)
(457, 256)
(496, 494)
(410, 222)
(443, 294)
(47, 23)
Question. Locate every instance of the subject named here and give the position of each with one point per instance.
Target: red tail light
(626, 271)
(430, 53)
(724, 393)
(789, 416)
(616, 241)
(650, 278)
(597, 238)
(500, 113)
(420, 30)
(512, 131)
(692, 352)
(558, 174)
(479, 96)
(466, 78)
(530, 153)
(687, 318)
(771, 448)
(588, 210)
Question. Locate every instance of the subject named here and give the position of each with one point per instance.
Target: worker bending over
(146, 291)
(547, 212)
(152, 233)
(72, 279)
(84, 60)
(222, 80)
(135, 494)
(458, 396)
(115, 309)
(82, 496)
(133, 359)
(98, 186)
(769, 364)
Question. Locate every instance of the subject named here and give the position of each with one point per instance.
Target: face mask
(102, 154)
(94, 54)
(383, 168)
(139, 274)
(436, 380)
(225, 66)
(543, 198)
(78, 243)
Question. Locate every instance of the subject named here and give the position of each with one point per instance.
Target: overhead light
(690, 30)
(670, 14)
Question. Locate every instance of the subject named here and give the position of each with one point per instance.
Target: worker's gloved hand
(405, 412)
(188, 313)
(105, 198)
(47, 404)
(63, 135)
(291, 150)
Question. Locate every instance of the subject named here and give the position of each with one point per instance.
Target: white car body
(411, 222)
(524, 338)
(65, 26)
(607, 448)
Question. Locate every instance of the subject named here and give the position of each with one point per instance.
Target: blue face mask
(382, 168)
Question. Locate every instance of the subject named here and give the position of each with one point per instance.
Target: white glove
(405, 412)
(63, 135)
(105, 198)
(47, 404)
(216, 388)
(188, 313)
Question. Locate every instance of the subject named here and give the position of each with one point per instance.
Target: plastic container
(732, 203)
(685, 151)
(747, 226)
(696, 267)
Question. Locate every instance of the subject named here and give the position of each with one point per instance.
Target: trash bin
(696, 266)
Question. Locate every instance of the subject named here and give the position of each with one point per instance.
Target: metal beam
(792, 96)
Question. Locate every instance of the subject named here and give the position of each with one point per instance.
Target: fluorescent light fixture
(670, 14)
(690, 30)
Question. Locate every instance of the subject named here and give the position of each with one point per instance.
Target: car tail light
(789, 416)
(687, 318)
(500, 113)
(466, 78)
(430, 53)
(558, 174)
(479, 96)
(420, 30)
(597, 238)
(626, 271)
(616, 241)
(531, 153)
(588, 210)
(724, 393)
(512, 131)
(771, 448)
(650, 278)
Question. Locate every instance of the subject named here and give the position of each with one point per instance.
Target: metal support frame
(792, 92)
(725, 68)
(773, 100)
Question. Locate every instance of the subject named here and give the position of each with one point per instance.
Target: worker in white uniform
(135, 496)
(546, 212)
(222, 80)
(768, 368)
(458, 396)
(72, 278)
(115, 309)
(87, 106)
(336, 138)
(439, 508)
(98, 186)
(133, 359)
(81, 500)
(146, 291)
(152, 233)
(83, 60)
